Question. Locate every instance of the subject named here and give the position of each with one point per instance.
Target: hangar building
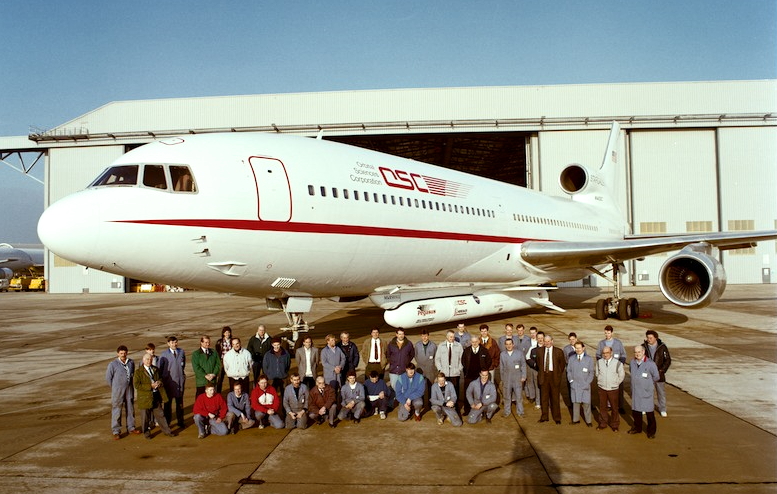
(699, 156)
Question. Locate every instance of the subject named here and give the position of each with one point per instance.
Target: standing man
(474, 360)
(172, 367)
(448, 359)
(512, 369)
(462, 335)
(569, 352)
(239, 407)
(443, 400)
(410, 388)
(658, 353)
(374, 351)
(295, 402)
(522, 344)
(580, 373)
(609, 377)
(481, 396)
(276, 364)
(237, 365)
(536, 342)
(644, 374)
(491, 347)
(424, 357)
(400, 353)
(119, 375)
(507, 336)
(551, 365)
(307, 362)
(258, 345)
(323, 403)
(333, 361)
(351, 353)
(150, 396)
(206, 365)
(618, 353)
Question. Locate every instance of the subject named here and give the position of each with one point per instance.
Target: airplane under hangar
(698, 156)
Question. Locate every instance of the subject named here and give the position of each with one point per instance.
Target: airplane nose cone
(70, 228)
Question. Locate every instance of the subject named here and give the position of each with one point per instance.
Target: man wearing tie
(150, 396)
(447, 359)
(172, 366)
(206, 364)
(580, 372)
(551, 369)
(374, 352)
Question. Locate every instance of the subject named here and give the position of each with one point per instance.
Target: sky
(61, 59)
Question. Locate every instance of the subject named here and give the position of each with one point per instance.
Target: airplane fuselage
(277, 215)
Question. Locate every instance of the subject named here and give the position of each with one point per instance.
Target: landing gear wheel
(601, 309)
(634, 304)
(624, 309)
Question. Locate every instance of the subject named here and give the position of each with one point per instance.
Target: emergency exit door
(273, 191)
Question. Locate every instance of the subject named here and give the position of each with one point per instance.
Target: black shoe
(575, 423)
(488, 420)
(633, 431)
(558, 422)
(621, 411)
(542, 420)
(588, 425)
(170, 434)
(356, 421)
(651, 436)
(333, 425)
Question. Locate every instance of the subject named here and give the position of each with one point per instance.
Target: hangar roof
(467, 109)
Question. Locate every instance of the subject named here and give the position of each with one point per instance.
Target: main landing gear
(622, 308)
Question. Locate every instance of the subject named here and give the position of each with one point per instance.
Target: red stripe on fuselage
(292, 227)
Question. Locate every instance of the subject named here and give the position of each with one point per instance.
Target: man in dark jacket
(658, 353)
(474, 359)
(258, 345)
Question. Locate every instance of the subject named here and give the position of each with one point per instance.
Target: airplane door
(273, 191)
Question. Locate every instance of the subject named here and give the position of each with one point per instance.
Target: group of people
(463, 376)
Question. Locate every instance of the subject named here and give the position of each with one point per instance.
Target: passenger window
(366, 197)
(154, 176)
(323, 191)
(182, 179)
(393, 201)
(375, 197)
(345, 193)
(311, 190)
(118, 175)
(355, 195)
(401, 202)
(334, 192)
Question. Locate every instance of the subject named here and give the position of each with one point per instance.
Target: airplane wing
(564, 255)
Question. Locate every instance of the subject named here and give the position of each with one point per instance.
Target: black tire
(624, 310)
(601, 309)
(634, 304)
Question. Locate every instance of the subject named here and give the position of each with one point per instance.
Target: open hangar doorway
(497, 155)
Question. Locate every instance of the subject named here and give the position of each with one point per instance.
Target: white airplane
(291, 219)
(13, 260)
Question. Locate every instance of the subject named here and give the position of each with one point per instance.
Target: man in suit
(474, 360)
(323, 403)
(374, 353)
(307, 362)
(172, 367)
(551, 370)
(448, 359)
(150, 396)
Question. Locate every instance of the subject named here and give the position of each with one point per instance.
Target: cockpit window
(154, 176)
(118, 175)
(182, 179)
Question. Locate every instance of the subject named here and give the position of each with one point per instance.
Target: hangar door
(674, 188)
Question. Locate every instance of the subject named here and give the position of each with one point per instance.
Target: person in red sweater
(265, 402)
(209, 412)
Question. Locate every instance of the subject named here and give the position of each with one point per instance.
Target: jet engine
(445, 309)
(692, 278)
(5, 274)
(574, 178)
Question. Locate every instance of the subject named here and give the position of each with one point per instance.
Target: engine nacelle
(574, 178)
(445, 309)
(692, 278)
(5, 274)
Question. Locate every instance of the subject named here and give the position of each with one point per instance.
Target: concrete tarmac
(720, 434)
